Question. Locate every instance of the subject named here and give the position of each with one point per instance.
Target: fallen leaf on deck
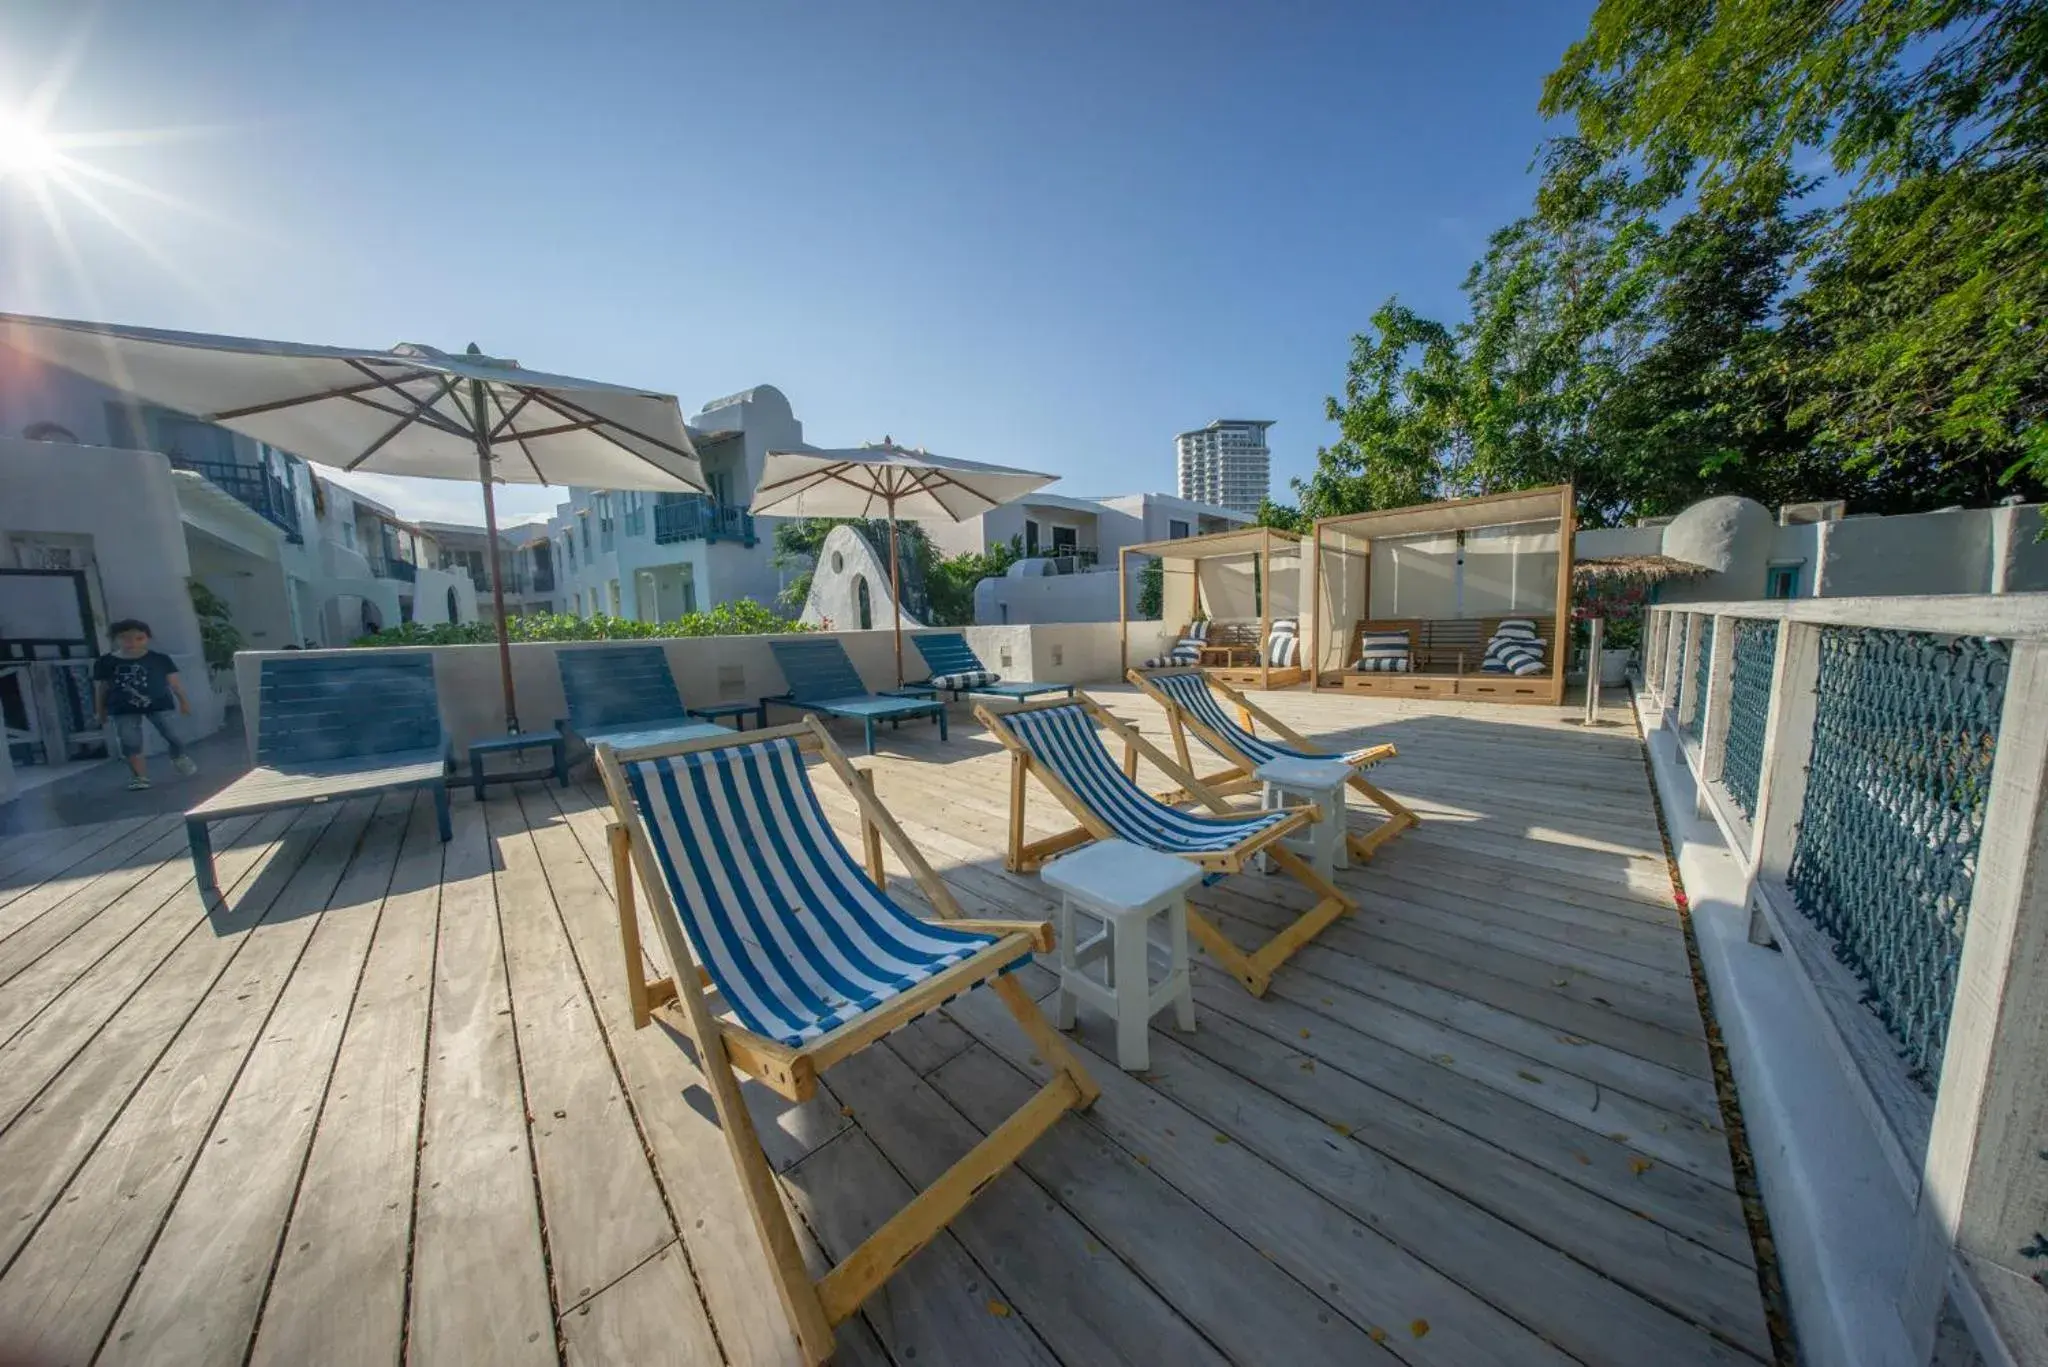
(1526, 1075)
(1344, 1130)
(1223, 1139)
(999, 1310)
(1419, 1328)
(1308, 1065)
(1377, 1334)
(846, 1111)
(1639, 1166)
(1444, 1058)
(1304, 1034)
(1583, 1159)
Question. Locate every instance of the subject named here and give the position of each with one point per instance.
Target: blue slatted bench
(948, 656)
(821, 679)
(626, 696)
(334, 727)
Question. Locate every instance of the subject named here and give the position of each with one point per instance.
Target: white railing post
(1674, 641)
(1984, 1186)
(1654, 620)
(1788, 749)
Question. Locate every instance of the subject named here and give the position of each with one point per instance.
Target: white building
(1070, 545)
(1226, 463)
(655, 557)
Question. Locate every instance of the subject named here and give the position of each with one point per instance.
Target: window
(1176, 529)
(583, 530)
(1065, 540)
(614, 593)
(579, 602)
(348, 534)
(1030, 536)
(1782, 581)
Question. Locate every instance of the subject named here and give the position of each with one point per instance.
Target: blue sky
(1046, 235)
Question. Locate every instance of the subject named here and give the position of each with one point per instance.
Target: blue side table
(516, 744)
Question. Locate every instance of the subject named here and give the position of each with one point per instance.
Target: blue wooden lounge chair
(956, 669)
(1190, 698)
(1055, 741)
(821, 679)
(755, 898)
(334, 726)
(625, 695)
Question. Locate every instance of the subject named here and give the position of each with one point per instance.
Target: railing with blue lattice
(1749, 705)
(1876, 768)
(1703, 656)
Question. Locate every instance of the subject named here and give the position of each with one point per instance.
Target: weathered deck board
(1473, 1124)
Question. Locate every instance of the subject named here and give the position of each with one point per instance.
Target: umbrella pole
(483, 469)
(896, 592)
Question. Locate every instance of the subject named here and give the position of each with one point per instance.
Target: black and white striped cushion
(1513, 655)
(1198, 632)
(1383, 652)
(966, 678)
(1281, 649)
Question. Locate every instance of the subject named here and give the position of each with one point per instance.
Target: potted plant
(1616, 600)
(219, 639)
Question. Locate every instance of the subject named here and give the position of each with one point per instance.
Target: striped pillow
(1281, 648)
(1286, 626)
(1513, 657)
(966, 678)
(1198, 632)
(1519, 628)
(1383, 652)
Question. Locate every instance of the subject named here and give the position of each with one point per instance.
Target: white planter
(1614, 667)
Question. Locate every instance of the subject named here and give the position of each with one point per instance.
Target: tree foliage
(1789, 250)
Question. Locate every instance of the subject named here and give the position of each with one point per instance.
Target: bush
(742, 617)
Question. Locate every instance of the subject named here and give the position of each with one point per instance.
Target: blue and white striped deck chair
(810, 960)
(1055, 742)
(1193, 701)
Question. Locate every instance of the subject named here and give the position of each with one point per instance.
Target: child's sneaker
(137, 784)
(184, 765)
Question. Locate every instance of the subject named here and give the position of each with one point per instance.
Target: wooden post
(1312, 636)
(1123, 617)
(1567, 516)
(1265, 608)
(1984, 1186)
(1781, 781)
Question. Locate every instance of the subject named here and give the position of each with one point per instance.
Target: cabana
(1458, 599)
(1244, 586)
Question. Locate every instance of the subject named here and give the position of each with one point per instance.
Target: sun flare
(25, 151)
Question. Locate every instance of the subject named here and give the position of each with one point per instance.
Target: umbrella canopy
(412, 410)
(406, 411)
(889, 481)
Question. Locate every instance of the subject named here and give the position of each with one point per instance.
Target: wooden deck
(388, 1104)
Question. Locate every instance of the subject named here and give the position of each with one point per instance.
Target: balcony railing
(1875, 768)
(404, 571)
(253, 485)
(697, 518)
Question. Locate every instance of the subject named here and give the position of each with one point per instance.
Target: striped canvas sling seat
(1192, 694)
(794, 934)
(1063, 739)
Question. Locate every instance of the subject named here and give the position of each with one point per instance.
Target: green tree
(1282, 516)
(1913, 351)
(950, 586)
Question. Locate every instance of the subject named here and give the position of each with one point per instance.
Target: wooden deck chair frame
(683, 1002)
(1239, 777)
(1254, 969)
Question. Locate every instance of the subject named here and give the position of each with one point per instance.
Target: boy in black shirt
(133, 683)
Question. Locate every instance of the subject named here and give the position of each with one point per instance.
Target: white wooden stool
(1318, 783)
(1124, 887)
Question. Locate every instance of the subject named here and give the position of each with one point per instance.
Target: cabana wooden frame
(1337, 539)
(1263, 543)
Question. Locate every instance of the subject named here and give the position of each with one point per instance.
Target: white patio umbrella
(892, 480)
(411, 410)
